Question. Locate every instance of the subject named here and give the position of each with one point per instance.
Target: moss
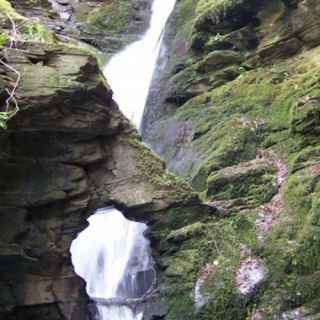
(153, 168)
(214, 243)
(184, 263)
(7, 9)
(113, 16)
(27, 29)
(309, 156)
(5, 117)
(305, 116)
(232, 121)
(292, 247)
(215, 8)
(33, 31)
(253, 180)
(298, 191)
(187, 232)
(219, 59)
(180, 307)
(273, 107)
(308, 252)
(4, 37)
(225, 300)
(230, 142)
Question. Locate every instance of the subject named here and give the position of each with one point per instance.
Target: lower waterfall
(114, 258)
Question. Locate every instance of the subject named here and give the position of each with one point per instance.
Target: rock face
(67, 152)
(108, 25)
(234, 109)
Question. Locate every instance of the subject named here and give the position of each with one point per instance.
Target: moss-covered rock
(254, 180)
(67, 152)
(211, 126)
(305, 117)
(218, 59)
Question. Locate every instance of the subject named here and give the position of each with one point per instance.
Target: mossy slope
(241, 87)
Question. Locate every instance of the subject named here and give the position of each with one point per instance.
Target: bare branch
(11, 98)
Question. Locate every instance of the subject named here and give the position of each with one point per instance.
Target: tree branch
(11, 98)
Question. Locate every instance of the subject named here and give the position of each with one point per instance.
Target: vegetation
(259, 103)
(216, 8)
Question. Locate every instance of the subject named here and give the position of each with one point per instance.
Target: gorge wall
(234, 110)
(67, 152)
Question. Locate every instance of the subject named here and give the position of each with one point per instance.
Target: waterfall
(114, 258)
(129, 73)
(112, 255)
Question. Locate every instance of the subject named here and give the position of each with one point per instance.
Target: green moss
(214, 243)
(298, 191)
(33, 31)
(232, 121)
(309, 156)
(292, 247)
(153, 168)
(113, 16)
(27, 29)
(184, 263)
(273, 107)
(4, 37)
(230, 142)
(187, 232)
(7, 9)
(215, 8)
(305, 116)
(225, 300)
(308, 253)
(5, 117)
(254, 181)
(180, 307)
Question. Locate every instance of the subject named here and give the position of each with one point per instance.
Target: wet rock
(244, 180)
(43, 185)
(64, 7)
(109, 26)
(306, 116)
(67, 152)
(225, 16)
(199, 299)
(250, 276)
(207, 125)
(218, 59)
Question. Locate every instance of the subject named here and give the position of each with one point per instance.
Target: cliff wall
(67, 152)
(234, 109)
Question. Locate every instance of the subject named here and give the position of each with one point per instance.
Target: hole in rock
(114, 257)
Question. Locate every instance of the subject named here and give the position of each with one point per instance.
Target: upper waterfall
(129, 73)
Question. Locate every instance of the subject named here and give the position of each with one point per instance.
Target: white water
(116, 313)
(199, 299)
(113, 257)
(129, 73)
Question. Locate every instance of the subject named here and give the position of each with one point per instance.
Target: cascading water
(112, 254)
(129, 73)
(114, 258)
